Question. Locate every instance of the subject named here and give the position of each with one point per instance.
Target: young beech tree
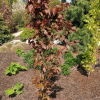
(44, 21)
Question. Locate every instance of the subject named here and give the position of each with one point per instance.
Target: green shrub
(65, 69)
(28, 58)
(26, 34)
(16, 90)
(68, 55)
(4, 33)
(19, 52)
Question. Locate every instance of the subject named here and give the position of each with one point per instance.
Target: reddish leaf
(30, 7)
(38, 1)
(72, 43)
(67, 46)
(44, 69)
(76, 41)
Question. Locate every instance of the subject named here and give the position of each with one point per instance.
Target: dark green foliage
(68, 55)
(14, 68)
(76, 13)
(4, 33)
(84, 35)
(65, 69)
(48, 52)
(16, 90)
(70, 62)
(28, 58)
(26, 34)
(19, 52)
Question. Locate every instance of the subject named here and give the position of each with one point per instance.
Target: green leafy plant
(68, 55)
(14, 68)
(26, 34)
(20, 52)
(65, 69)
(28, 58)
(15, 90)
(70, 62)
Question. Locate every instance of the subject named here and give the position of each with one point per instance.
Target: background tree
(63, 1)
(54, 2)
(18, 12)
(7, 15)
(4, 32)
(76, 14)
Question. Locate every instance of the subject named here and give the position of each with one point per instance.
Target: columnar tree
(44, 21)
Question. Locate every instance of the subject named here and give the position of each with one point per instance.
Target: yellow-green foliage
(93, 26)
(15, 47)
(3, 48)
(8, 44)
(26, 34)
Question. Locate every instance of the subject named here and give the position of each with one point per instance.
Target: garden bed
(73, 87)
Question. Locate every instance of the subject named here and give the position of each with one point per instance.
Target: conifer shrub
(4, 32)
(26, 34)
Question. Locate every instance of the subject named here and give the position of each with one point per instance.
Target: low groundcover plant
(15, 90)
(14, 68)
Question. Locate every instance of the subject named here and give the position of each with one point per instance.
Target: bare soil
(74, 87)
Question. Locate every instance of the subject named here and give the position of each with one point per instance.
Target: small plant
(15, 90)
(19, 52)
(14, 68)
(65, 69)
(68, 55)
(28, 58)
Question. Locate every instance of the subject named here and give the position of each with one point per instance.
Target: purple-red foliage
(7, 15)
(45, 21)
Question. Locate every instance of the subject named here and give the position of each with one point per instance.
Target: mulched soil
(74, 87)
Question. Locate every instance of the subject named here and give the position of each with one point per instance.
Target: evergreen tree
(76, 14)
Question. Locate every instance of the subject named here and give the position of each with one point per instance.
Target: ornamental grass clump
(15, 47)
(45, 21)
(8, 44)
(24, 44)
(3, 48)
